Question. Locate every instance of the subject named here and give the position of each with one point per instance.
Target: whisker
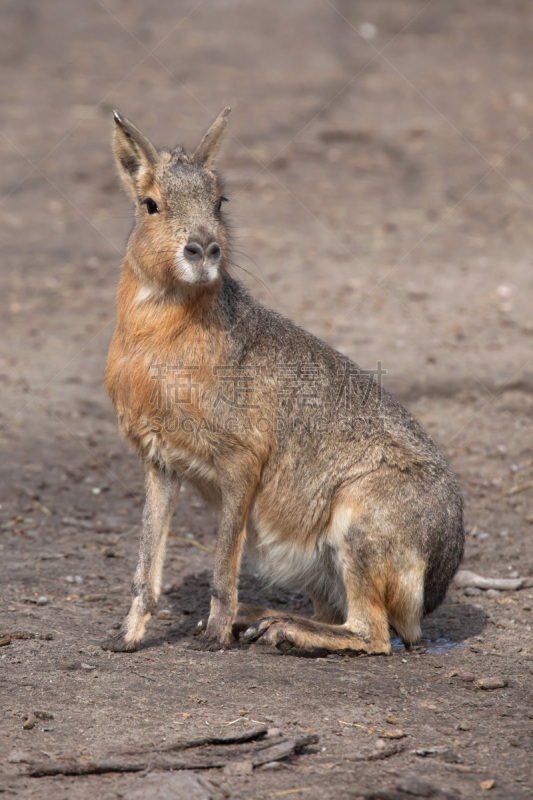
(163, 264)
(245, 255)
(163, 261)
(251, 274)
(156, 269)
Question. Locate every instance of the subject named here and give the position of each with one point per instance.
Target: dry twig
(275, 752)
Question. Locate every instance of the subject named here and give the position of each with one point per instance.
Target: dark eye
(220, 201)
(151, 205)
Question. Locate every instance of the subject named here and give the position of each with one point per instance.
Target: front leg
(231, 533)
(162, 490)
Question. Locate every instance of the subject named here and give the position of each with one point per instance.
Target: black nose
(193, 251)
(213, 251)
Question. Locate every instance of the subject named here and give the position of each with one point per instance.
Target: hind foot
(247, 614)
(306, 634)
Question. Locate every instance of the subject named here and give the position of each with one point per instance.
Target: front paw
(213, 639)
(118, 644)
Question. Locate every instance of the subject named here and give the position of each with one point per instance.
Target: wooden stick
(276, 752)
(235, 738)
(517, 489)
(283, 749)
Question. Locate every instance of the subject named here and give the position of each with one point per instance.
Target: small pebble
(28, 725)
(396, 734)
(467, 677)
(491, 683)
(472, 591)
(87, 666)
(493, 593)
(464, 726)
(165, 614)
(42, 600)
(43, 715)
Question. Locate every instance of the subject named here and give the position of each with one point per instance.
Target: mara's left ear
(134, 154)
(205, 153)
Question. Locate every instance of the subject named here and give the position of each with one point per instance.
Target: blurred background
(378, 166)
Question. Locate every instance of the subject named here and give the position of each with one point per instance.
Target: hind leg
(308, 634)
(365, 629)
(378, 591)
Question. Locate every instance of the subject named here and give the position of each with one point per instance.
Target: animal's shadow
(188, 603)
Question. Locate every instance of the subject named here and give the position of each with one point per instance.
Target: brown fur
(350, 502)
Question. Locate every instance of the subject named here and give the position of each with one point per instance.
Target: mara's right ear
(134, 154)
(205, 153)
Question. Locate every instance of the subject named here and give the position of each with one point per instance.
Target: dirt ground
(379, 171)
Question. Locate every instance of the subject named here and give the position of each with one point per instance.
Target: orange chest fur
(161, 369)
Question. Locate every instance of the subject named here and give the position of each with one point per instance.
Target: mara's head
(180, 237)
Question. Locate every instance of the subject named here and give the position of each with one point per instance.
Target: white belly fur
(317, 569)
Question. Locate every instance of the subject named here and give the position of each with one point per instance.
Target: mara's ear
(134, 154)
(205, 153)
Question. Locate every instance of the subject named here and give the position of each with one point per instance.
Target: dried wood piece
(234, 738)
(275, 752)
(465, 578)
(283, 749)
(517, 489)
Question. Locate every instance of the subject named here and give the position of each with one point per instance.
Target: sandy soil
(379, 169)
